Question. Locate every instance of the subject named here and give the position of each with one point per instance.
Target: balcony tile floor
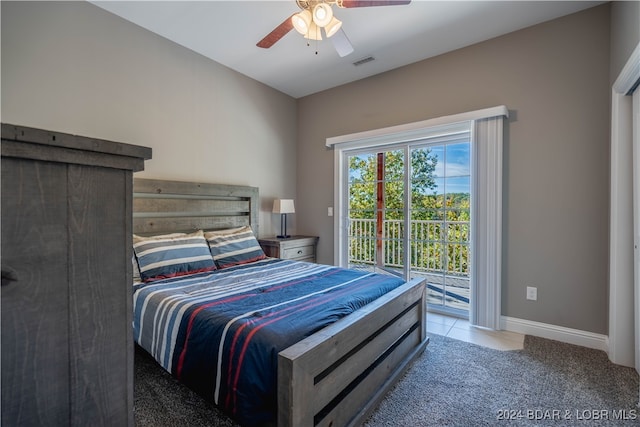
(460, 329)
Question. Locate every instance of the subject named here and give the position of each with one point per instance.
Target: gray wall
(554, 77)
(73, 67)
(625, 33)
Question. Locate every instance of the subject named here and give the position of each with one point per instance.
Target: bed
(296, 343)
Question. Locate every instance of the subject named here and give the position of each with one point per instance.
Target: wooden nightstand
(299, 248)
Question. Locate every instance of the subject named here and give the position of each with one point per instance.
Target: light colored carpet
(453, 383)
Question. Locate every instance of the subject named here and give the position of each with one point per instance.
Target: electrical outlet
(532, 293)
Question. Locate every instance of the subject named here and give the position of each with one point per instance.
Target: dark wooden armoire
(66, 308)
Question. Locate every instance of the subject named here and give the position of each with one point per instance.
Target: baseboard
(558, 333)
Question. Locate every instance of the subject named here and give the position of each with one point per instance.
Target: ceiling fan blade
(279, 32)
(369, 3)
(341, 43)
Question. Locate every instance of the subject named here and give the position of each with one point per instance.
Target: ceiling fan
(317, 15)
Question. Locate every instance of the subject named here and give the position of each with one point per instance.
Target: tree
(428, 243)
(363, 171)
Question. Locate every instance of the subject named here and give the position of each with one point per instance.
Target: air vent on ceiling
(364, 60)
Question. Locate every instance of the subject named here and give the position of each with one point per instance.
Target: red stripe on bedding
(232, 391)
(270, 289)
(232, 387)
(236, 336)
(190, 326)
(212, 304)
(179, 274)
(244, 261)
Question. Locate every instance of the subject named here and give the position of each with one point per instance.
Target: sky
(453, 168)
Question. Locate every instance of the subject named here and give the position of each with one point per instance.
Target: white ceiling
(227, 32)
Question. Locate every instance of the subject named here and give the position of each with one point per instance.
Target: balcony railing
(438, 250)
(435, 246)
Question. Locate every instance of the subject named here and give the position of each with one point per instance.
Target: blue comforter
(220, 332)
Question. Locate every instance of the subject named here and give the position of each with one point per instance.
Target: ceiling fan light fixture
(322, 14)
(332, 27)
(313, 33)
(316, 14)
(302, 22)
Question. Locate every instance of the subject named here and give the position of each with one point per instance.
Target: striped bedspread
(220, 332)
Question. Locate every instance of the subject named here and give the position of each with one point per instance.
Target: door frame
(487, 129)
(624, 306)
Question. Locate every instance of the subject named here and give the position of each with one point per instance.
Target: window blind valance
(417, 130)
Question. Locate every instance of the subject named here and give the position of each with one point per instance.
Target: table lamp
(283, 207)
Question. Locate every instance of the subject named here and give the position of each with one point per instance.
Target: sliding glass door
(412, 218)
(376, 211)
(448, 220)
(441, 223)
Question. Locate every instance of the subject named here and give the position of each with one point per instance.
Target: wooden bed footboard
(337, 376)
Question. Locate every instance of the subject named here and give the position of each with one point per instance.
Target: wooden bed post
(380, 211)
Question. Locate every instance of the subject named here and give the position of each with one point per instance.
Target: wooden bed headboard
(161, 206)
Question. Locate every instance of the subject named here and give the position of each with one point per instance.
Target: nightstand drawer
(299, 248)
(299, 252)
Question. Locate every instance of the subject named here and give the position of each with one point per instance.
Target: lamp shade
(322, 14)
(283, 206)
(301, 21)
(332, 27)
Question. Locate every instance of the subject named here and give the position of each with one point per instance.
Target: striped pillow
(160, 257)
(234, 246)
